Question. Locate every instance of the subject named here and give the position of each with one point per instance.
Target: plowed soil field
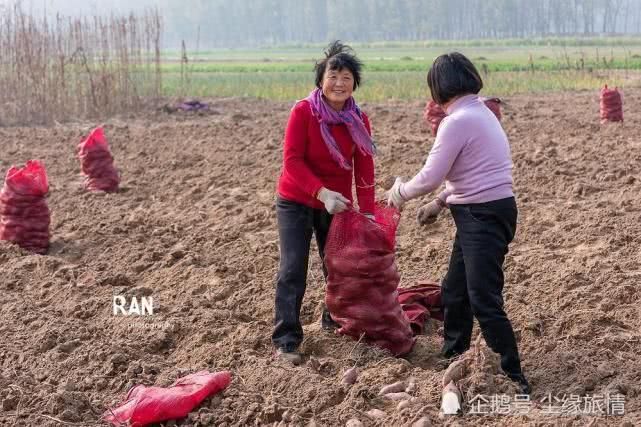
(194, 227)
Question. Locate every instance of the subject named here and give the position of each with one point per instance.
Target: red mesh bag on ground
(611, 105)
(421, 302)
(433, 115)
(362, 279)
(97, 163)
(24, 213)
(146, 405)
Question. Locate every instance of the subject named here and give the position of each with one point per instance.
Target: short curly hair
(453, 75)
(339, 56)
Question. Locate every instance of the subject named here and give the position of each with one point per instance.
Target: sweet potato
(454, 372)
(397, 396)
(392, 388)
(350, 376)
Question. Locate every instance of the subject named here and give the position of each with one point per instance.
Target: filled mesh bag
(362, 280)
(611, 105)
(24, 212)
(97, 163)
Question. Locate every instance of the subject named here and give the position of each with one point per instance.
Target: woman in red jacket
(327, 142)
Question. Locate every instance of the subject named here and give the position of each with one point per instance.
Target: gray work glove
(428, 213)
(334, 202)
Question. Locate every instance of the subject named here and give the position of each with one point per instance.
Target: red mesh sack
(24, 213)
(611, 105)
(97, 163)
(362, 279)
(433, 115)
(146, 405)
(421, 302)
(494, 104)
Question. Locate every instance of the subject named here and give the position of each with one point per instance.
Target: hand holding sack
(97, 163)
(24, 213)
(334, 202)
(394, 196)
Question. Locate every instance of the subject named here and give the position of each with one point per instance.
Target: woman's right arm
(296, 139)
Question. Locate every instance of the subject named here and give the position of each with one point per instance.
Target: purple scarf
(350, 116)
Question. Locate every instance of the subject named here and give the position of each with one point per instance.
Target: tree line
(247, 23)
(224, 23)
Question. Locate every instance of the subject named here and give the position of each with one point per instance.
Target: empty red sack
(611, 105)
(146, 405)
(24, 212)
(97, 163)
(420, 303)
(362, 279)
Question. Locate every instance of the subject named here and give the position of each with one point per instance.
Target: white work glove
(394, 197)
(428, 213)
(334, 202)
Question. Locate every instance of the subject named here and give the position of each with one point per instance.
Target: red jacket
(308, 166)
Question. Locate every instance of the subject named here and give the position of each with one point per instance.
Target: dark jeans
(296, 223)
(473, 286)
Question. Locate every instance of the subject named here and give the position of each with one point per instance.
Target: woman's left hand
(428, 213)
(394, 197)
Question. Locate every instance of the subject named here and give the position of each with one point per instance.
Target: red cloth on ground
(308, 165)
(24, 212)
(146, 405)
(611, 105)
(420, 303)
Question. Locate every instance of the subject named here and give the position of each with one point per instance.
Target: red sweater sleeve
(294, 151)
(364, 176)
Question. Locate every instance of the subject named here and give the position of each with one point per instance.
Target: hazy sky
(69, 7)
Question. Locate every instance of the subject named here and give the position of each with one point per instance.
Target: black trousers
(473, 286)
(296, 224)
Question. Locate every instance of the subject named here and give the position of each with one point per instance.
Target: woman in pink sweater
(472, 155)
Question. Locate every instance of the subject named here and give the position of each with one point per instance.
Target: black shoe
(445, 359)
(522, 383)
(449, 354)
(524, 387)
(327, 323)
(288, 355)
